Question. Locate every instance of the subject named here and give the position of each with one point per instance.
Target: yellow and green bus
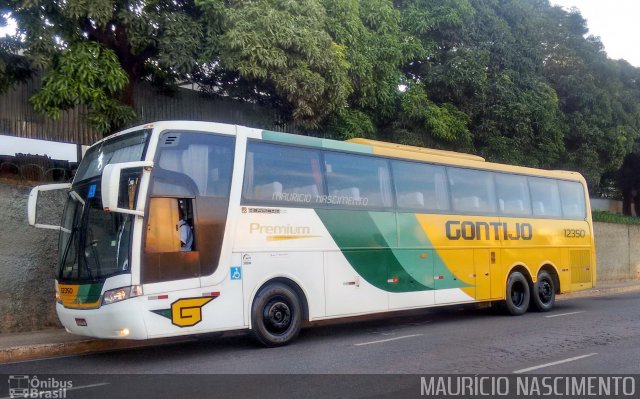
(184, 227)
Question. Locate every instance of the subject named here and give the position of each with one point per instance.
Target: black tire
(276, 315)
(544, 292)
(518, 294)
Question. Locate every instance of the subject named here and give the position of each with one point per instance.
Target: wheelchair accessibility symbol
(236, 273)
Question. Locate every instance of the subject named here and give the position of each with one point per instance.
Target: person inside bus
(186, 233)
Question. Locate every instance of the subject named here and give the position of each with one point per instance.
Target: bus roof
(385, 149)
(403, 148)
(400, 151)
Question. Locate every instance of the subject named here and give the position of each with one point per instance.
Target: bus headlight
(120, 294)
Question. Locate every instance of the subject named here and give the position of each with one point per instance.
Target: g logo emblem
(187, 312)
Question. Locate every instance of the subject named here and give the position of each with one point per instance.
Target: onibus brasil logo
(24, 386)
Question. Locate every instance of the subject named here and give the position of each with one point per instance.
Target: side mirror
(32, 204)
(117, 184)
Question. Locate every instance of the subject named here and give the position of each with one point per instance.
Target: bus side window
(545, 198)
(185, 225)
(420, 186)
(513, 194)
(162, 235)
(572, 196)
(357, 181)
(190, 164)
(472, 190)
(282, 174)
(170, 251)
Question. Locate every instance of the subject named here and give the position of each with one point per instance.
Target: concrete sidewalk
(57, 342)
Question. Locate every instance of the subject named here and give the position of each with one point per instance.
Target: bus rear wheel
(544, 292)
(518, 294)
(276, 315)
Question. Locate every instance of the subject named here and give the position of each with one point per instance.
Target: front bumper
(107, 321)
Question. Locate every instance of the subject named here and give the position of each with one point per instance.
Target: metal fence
(36, 168)
(17, 117)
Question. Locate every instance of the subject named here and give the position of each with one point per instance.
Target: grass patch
(608, 217)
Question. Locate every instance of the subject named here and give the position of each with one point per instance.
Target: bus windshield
(126, 148)
(95, 244)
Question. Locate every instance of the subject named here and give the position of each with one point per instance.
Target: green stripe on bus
(368, 240)
(297, 139)
(412, 235)
(89, 293)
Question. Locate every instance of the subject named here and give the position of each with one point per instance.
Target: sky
(615, 21)
(16, 145)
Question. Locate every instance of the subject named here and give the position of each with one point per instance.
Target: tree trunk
(636, 204)
(627, 199)
(128, 91)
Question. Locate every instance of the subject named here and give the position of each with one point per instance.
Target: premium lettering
(286, 229)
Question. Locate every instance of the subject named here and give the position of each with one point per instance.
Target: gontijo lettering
(468, 230)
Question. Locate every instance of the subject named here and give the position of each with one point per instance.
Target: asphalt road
(592, 335)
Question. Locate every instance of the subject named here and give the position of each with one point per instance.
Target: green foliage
(13, 67)
(376, 49)
(310, 58)
(87, 74)
(608, 217)
(516, 81)
(350, 123)
(284, 47)
(534, 91)
(443, 123)
(92, 52)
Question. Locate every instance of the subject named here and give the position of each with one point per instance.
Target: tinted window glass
(420, 186)
(276, 173)
(472, 190)
(513, 194)
(166, 257)
(545, 197)
(357, 181)
(126, 148)
(572, 196)
(190, 164)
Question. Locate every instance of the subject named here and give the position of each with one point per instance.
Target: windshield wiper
(92, 244)
(63, 260)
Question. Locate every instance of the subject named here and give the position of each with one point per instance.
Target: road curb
(48, 350)
(600, 291)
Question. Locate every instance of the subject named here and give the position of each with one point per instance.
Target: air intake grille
(170, 140)
(580, 266)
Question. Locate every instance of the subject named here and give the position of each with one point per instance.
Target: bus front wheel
(276, 315)
(518, 294)
(544, 292)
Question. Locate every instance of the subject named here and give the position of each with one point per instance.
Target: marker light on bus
(123, 333)
(120, 294)
(58, 299)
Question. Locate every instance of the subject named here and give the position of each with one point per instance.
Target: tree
(279, 49)
(92, 52)
(516, 81)
(629, 182)
(323, 63)
(13, 67)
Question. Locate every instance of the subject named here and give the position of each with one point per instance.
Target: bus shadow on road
(326, 331)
